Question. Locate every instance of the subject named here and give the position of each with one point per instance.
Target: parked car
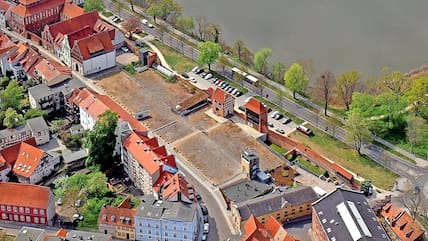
(144, 21)
(78, 203)
(208, 76)
(204, 210)
(305, 130)
(270, 124)
(241, 108)
(205, 219)
(238, 94)
(60, 201)
(281, 131)
(218, 82)
(150, 25)
(278, 116)
(286, 120)
(192, 79)
(195, 69)
(124, 49)
(274, 114)
(234, 91)
(198, 71)
(231, 89)
(185, 75)
(206, 227)
(198, 196)
(203, 74)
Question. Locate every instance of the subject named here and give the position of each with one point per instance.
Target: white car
(274, 114)
(144, 21)
(234, 91)
(150, 25)
(208, 76)
(125, 49)
(206, 227)
(192, 79)
(195, 68)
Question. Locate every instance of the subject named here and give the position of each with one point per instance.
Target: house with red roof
(7, 48)
(30, 16)
(256, 115)
(26, 203)
(8, 157)
(118, 221)
(174, 188)
(222, 103)
(93, 54)
(23, 62)
(272, 230)
(71, 10)
(33, 164)
(5, 7)
(50, 72)
(401, 223)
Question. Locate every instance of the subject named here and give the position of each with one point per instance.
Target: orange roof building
(7, 48)
(272, 230)
(256, 115)
(32, 15)
(8, 157)
(117, 221)
(51, 72)
(23, 61)
(71, 10)
(402, 223)
(222, 103)
(25, 203)
(175, 188)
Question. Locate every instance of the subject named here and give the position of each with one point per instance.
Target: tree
(12, 118)
(359, 131)
(414, 131)
(90, 5)
(296, 79)
(345, 86)
(418, 96)
(57, 125)
(223, 61)
(33, 113)
(395, 81)
(367, 187)
(131, 2)
(326, 81)
(155, 10)
(239, 48)
(203, 24)
(101, 141)
(278, 72)
(185, 24)
(413, 201)
(172, 9)
(212, 32)
(208, 53)
(260, 60)
(131, 24)
(12, 96)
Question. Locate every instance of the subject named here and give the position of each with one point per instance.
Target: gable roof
(73, 24)
(94, 44)
(176, 186)
(401, 222)
(25, 195)
(256, 106)
(25, 9)
(52, 72)
(28, 160)
(4, 5)
(272, 230)
(71, 10)
(9, 154)
(219, 96)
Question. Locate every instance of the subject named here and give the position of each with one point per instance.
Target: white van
(144, 21)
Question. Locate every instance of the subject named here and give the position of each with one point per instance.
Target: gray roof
(37, 124)
(246, 190)
(75, 235)
(71, 156)
(343, 210)
(42, 90)
(275, 201)
(30, 234)
(179, 211)
(12, 131)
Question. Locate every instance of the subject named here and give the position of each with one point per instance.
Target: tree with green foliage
(208, 53)
(239, 48)
(223, 61)
(367, 187)
(358, 130)
(278, 71)
(33, 113)
(12, 96)
(260, 60)
(155, 10)
(395, 81)
(415, 130)
(4, 81)
(296, 79)
(185, 24)
(418, 96)
(57, 125)
(345, 86)
(165, 8)
(101, 141)
(91, 5)
(12, 118)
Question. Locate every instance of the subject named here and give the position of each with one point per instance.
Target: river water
(338, 35)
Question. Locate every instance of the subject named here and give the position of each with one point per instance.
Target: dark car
(204, 210)
(269, 110)
(203, 74)
(241, 108)
(280, 131)
(205, 219)
(198, 71)
(185, 75)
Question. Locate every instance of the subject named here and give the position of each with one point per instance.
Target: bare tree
(412, 200)
(345, 86)
(359, 130)
(131, 24)
(415, 130)
(131, 2)
(203, 24)
(326, 82)
(239, 48)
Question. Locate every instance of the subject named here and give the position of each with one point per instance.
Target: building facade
(222, 103)
(117, 222)
(25, 203)
(272, 230)
(39, 130)
(256, 115)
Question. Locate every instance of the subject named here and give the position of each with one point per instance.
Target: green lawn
(107, 13)
(276, 108)
(348, 158)
(176, 60)
(278, 149)
(420, 150)
(311, 167)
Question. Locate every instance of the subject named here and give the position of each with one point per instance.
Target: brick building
(256, 115)
(118, 221)
(222, 103)
(272, 230)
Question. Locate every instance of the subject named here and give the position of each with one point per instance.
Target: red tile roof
(401, 223)
(10, 154)
(342, 171)
(175, 186)
(52, 72)
(76, 35)
(74, 24)
(255, 106)
(254, 230)
(71, 10)
(123, 217)
(22, 49)
(95, 104)
(25, 195)
(219, 96)
(5, 43)
(29, 158)
(4, 5)
(25, 11)
(61, 233)
(100, 42)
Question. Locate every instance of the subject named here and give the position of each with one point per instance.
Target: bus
(247, 77)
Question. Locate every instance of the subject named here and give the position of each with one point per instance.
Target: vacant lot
(348, 158)
(217, 152)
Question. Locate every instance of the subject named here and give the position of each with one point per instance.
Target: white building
(5, 16)
(165, 220)
(33, 164)
(93, 54)
(39, 130)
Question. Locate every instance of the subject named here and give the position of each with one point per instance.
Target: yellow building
(118, 221)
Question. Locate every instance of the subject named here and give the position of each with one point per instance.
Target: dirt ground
(211, 147)
(126, 58)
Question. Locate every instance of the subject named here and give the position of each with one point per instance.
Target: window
(3, 208)
(42, 220)
(22, 218)
(36, 211)
(9, 208)
(15, 209)
(27, 210)
(28, 219)
(42, 212)
(3, 216)
(36, 220)
(15, 217)
(21, 209)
